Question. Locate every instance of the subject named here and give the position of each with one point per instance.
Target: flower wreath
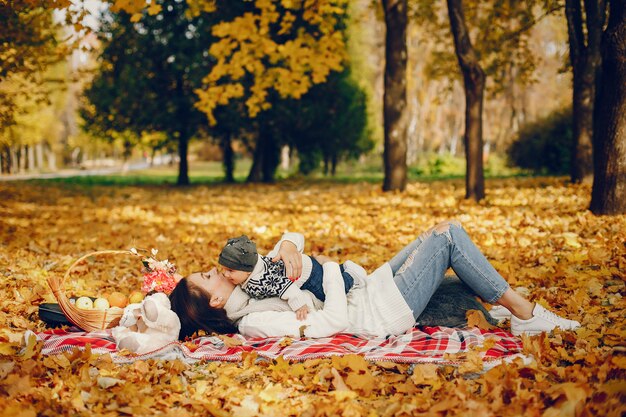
(159, 276)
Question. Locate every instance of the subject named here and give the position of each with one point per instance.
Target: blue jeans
(419, 268)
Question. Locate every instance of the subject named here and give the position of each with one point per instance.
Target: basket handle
(100, 252)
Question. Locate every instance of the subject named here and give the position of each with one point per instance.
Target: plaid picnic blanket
(418, 345)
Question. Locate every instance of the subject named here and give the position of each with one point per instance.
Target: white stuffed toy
(148, 325)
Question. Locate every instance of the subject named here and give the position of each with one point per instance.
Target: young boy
(260, 277)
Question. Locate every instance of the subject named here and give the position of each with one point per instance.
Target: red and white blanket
(418, 345)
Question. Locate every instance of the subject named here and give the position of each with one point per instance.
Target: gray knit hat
(239, 254)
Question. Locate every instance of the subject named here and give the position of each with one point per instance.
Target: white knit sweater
(377, 309)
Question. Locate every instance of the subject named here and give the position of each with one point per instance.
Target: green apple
(84, 303)
(101, 304)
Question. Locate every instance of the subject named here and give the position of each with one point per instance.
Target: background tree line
(274, 74)
(505, 24)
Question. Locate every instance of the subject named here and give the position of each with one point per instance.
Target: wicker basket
(88, 320)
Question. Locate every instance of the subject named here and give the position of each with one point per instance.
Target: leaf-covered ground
(537, 233)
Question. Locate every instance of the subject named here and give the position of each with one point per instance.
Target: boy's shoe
(357, 272)
(500, 313)
(542, 321)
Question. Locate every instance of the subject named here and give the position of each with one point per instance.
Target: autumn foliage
(282, 47)
(537, 232)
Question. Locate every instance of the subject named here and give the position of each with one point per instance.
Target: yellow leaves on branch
(154, 9)
(266, 47)
(196, 7)
(132, 7)
(289, 65)
(136, 7)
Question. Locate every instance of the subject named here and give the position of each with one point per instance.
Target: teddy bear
(147, 326)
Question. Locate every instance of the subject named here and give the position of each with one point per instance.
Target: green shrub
(545, 145)
(438, 165)
(497, 165)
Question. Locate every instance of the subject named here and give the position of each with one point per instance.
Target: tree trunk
(255, 170)
(128, 150)
(18, 159)
(265, 159)
(26, 158)
(39, 156)
(51, 157)
(585, 59)
(285, 157)
(582, 129)
(608, 194)
(183, 165)
(228, 158)
(6, 159)
(271, 159)
(153, 152)
(474, 85)
(395, 106)
(31, 158)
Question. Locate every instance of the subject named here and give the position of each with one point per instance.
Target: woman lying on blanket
(389, 302)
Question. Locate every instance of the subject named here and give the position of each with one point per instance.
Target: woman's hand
(322, 259)
(288, 252)
(302, 312)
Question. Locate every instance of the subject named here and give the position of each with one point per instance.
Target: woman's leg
(429, 256)
(397, 261)
(516, 304)
(448, 245)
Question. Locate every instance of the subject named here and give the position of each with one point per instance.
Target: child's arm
(298, 301)
(295, 238)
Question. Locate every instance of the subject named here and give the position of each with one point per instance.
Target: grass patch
(199, 173)
(428, 168)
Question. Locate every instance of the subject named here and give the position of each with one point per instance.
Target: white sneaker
(542, 321)
(357, 272)
(500, 313)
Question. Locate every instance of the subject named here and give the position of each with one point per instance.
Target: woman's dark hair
(193, 309)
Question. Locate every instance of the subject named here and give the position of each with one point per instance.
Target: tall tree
(30, 53)
(608, 194)
(500, 54)
(269, 52)
(585, 34)
(272, 52)
(151, 66)
(395, 106)
(28, 35)
(474, 84)
(328, 123)
(281, 46)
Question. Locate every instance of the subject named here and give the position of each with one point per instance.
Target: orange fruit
(117, 299)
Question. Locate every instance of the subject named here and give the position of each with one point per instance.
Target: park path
(66, 173)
